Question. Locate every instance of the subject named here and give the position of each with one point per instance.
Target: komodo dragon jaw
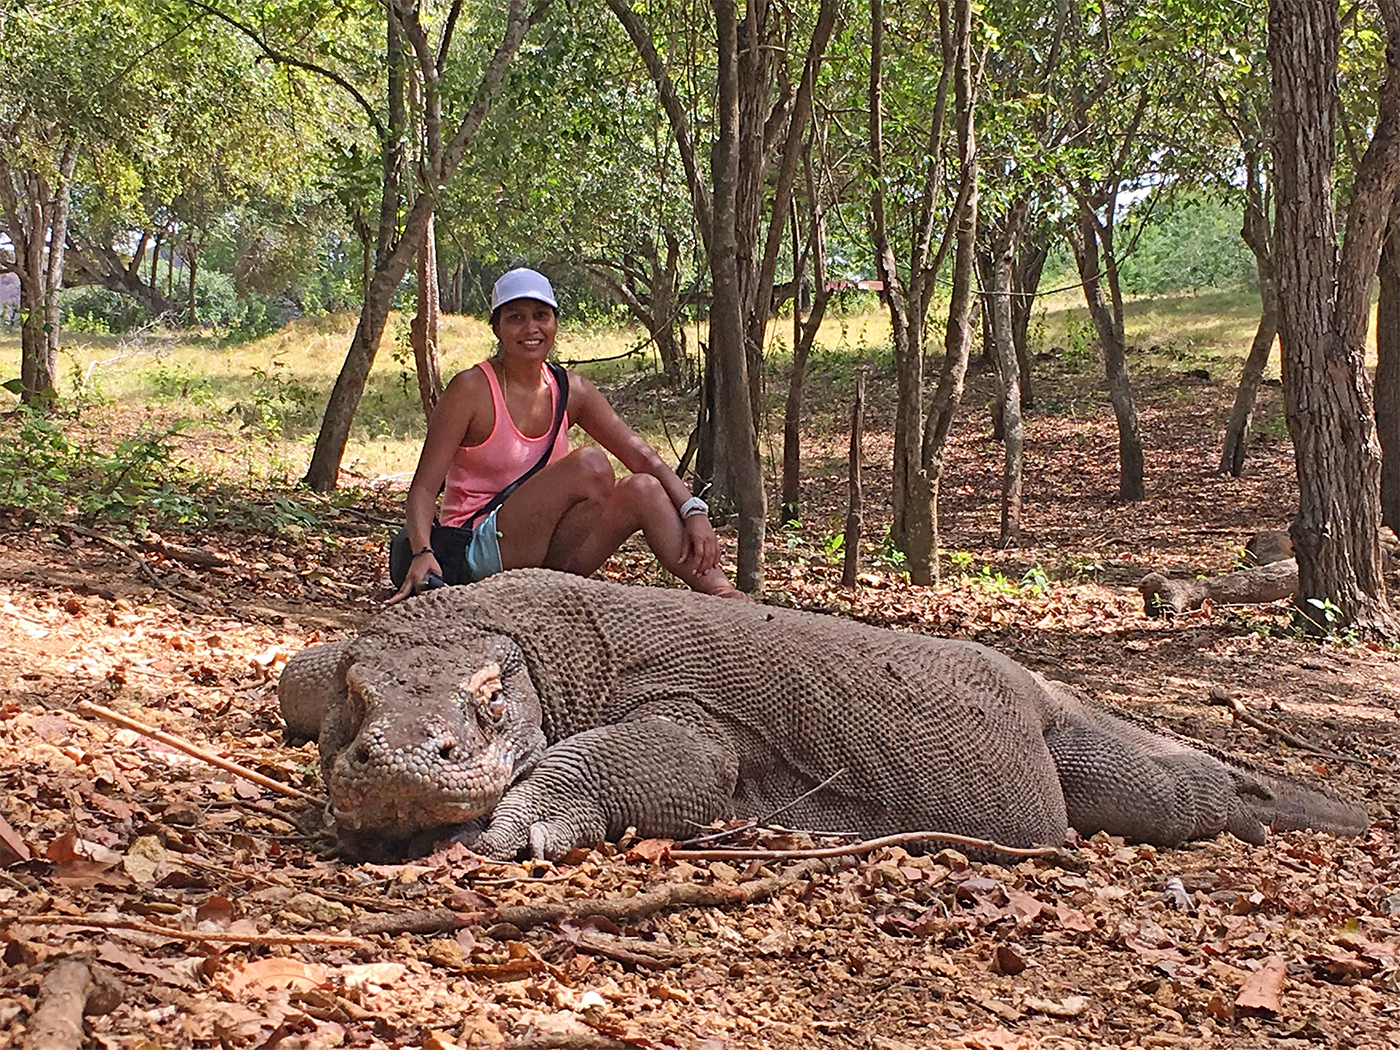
(441, 736)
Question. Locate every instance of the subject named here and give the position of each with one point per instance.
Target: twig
(715, 836)
(631, 950)
(1220, 697)
(196, 936)
(904, 838)
(146, 570)
(617, 910)
(87, 707)
(200, 559)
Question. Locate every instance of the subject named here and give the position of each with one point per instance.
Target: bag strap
(561, 403)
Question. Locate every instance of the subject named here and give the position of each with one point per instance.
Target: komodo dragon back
(569, 710)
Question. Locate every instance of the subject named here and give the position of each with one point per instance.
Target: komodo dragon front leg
(666, 771)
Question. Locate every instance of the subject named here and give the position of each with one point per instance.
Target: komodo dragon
(570, 709)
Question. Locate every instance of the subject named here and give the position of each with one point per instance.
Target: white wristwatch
(694, 505)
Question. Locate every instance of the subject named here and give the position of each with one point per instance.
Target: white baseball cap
(522, 283)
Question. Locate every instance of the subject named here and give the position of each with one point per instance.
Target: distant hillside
(9, 290)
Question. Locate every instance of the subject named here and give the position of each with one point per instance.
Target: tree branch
(291, 60)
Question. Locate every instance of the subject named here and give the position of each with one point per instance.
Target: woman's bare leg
(551, 513)
(573, 516)
(638, 502)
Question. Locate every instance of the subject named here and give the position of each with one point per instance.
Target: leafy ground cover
(214, 903)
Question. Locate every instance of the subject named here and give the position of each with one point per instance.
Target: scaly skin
(569, 710)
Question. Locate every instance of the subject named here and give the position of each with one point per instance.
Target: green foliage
(98, 311)
(834, 544)
(1035, 580)
(1082, 341)
(1197, 245)
(179, 383)
(890, 556)
(277, 399)
(1322, 617)
(137, 484)
(49, 477)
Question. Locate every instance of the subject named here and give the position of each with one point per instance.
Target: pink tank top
(478, 472)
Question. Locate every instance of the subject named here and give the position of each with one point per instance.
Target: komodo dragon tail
(1293, 806)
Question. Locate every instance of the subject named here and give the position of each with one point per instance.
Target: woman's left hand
(701, 544)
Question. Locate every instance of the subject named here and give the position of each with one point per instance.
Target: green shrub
(99, 311)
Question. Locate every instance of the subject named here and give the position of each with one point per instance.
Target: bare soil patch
(214, 904)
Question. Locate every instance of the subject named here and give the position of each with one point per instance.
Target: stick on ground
(87, 707)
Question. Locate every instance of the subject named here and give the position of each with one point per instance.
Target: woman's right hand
(424, 564)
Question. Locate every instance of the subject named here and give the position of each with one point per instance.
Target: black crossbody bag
(449, 542)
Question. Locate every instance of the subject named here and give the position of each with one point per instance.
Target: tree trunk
(735, 430)
(1093, 253)
(191, 318)
(911, 527)
(805, 335)
(957, 339)
(1025, 282)
(395, 253)
(323, 472)
(856, 490)
(100, 264)
(1005, 237)
(1324, 306)
(423, 330)
(758, 118)
(36, 221)
(1256, 234)
(1388, 374)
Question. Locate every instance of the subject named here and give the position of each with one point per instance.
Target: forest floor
(214, 913)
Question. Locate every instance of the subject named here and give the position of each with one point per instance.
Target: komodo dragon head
(428, 735)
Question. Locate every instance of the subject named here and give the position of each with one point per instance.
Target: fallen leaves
(1260, 990)
(213, 902)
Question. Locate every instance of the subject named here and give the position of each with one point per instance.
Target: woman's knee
(641, 491)
(592, 472)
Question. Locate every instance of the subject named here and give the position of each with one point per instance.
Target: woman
(494, 422)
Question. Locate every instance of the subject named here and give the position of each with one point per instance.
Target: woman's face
(526, 327)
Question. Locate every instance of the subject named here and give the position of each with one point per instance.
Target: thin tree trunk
(1004, 241)
(1388, 374)
(1097, 265)
(1256, 234)
(1025, 282)
(58, 240)
(394, 253)
(912, 493)
(736, 434)
(957, 340)
(423, 330)
(36, 221)
(804, 335)
(191, 318)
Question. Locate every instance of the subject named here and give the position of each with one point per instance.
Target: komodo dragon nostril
(448, 751)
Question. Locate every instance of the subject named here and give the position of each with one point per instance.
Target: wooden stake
(853, 516)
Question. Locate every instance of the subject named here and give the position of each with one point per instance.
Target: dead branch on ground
(87, 707)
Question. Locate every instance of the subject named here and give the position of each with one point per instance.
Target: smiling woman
(514, 496)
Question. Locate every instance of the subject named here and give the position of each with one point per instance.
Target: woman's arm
(446, 429)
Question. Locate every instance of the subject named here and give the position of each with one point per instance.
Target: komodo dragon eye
(484, 692)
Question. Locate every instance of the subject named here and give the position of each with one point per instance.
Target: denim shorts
(482, 557)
